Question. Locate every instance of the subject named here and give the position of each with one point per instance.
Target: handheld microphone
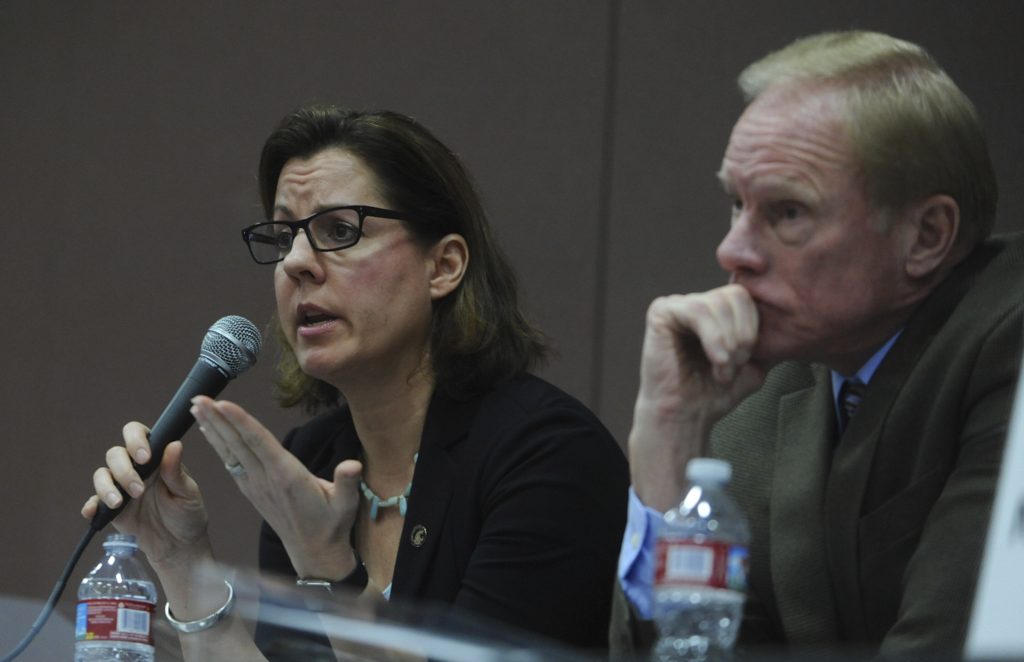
(229, 349)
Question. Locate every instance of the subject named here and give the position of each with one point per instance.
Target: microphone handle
(205, 378)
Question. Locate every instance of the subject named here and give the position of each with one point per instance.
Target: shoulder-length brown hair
(478, 336)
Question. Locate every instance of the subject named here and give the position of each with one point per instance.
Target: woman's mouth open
(314, 322)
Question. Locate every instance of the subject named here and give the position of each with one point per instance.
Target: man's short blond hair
(912, 130)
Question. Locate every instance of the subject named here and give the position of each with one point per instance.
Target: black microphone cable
(51, 602)
(229, 348)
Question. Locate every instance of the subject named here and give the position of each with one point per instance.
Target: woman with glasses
(438, 468)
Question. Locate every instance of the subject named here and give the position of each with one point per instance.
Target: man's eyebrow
(724, 181)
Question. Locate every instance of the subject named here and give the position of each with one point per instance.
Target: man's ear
(932, 227)
(449, 258)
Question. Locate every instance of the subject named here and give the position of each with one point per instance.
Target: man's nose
(739, 250)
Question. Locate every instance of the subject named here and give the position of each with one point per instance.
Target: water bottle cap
(708, 470)
(121, 540)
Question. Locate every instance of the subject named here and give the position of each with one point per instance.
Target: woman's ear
(933, 226)
(448, 261)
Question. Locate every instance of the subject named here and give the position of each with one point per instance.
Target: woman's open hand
(312, 516)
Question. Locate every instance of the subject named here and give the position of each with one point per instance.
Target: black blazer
(516, 512)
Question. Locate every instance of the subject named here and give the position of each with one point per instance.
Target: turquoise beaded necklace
(400, 500)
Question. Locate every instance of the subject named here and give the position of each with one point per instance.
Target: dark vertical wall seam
(604, 208)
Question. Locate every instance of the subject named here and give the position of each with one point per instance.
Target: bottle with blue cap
(116, 599)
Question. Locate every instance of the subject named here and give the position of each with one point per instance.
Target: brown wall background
(130, 137)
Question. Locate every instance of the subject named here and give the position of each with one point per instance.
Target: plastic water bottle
(115, 606)
(701, 569)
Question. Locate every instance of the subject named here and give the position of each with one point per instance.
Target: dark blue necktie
(850, 394)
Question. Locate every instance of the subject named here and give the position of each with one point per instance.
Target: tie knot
(850, 395)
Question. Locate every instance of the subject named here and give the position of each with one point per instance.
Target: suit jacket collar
(848, 496)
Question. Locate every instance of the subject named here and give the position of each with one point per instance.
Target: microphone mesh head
(233, 342)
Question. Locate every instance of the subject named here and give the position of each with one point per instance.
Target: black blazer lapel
(424, 522)
(433, 484)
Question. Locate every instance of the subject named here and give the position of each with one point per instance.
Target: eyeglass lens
(332, 230)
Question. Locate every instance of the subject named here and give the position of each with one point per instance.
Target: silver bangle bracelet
(203, 623)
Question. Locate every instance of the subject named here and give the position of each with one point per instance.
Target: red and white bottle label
(689, 563)
(114, 620)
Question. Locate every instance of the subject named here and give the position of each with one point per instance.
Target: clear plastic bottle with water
(115, 606)
(701, 569)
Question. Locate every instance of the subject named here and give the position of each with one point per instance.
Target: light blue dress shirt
(863, 375)
(636, 557)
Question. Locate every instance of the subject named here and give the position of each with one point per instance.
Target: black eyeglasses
(328, 230)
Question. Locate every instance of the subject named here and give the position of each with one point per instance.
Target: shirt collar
(867, 371)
